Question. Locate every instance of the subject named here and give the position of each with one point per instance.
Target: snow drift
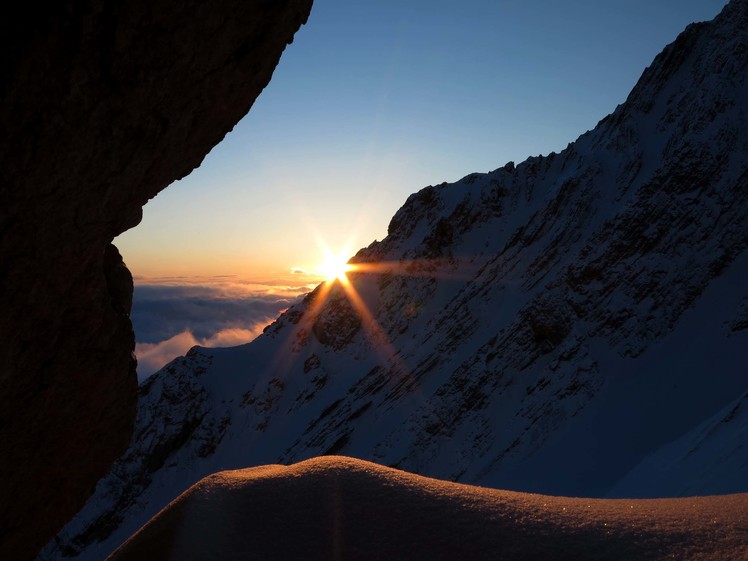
(340, 508)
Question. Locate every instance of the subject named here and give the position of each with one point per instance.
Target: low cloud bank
(152, 356)
(171, 318)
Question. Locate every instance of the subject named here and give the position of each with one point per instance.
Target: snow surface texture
(332, 508)
(574, 325)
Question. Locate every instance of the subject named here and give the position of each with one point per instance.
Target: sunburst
(335, 266)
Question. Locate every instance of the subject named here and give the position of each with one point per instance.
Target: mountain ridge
(535, 316)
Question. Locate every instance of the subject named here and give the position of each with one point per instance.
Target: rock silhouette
(102, 105)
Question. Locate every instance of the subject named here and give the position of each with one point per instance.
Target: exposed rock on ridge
(102, 105)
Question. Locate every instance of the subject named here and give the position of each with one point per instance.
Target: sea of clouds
(170, 316)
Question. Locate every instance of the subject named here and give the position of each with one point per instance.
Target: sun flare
(334, 267)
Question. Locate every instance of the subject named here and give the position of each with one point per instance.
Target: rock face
(102, 105)
(543, 327)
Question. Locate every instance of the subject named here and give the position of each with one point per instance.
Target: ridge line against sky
(372, 102)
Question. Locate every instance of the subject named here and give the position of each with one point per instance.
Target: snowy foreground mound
(339, 508)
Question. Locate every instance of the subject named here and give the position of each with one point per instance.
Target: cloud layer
(152, 356)
(171, 318)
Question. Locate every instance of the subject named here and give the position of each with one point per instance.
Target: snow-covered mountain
(576, 324)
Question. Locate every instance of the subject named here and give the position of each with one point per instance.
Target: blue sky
(373, 101)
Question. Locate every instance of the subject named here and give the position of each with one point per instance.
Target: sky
(372, 102)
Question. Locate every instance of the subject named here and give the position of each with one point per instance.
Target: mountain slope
(543, 327)
(713, 458)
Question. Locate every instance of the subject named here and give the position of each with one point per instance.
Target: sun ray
(284, 357)
(433, 268)
(377, 335)
(335, 269)
(385, 349)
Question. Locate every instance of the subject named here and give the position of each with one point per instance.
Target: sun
(334, 267)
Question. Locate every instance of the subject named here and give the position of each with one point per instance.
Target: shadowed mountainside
(340, 508)
(102, 105)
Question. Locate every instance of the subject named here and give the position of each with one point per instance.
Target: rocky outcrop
(103, 105)
(338, 322)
